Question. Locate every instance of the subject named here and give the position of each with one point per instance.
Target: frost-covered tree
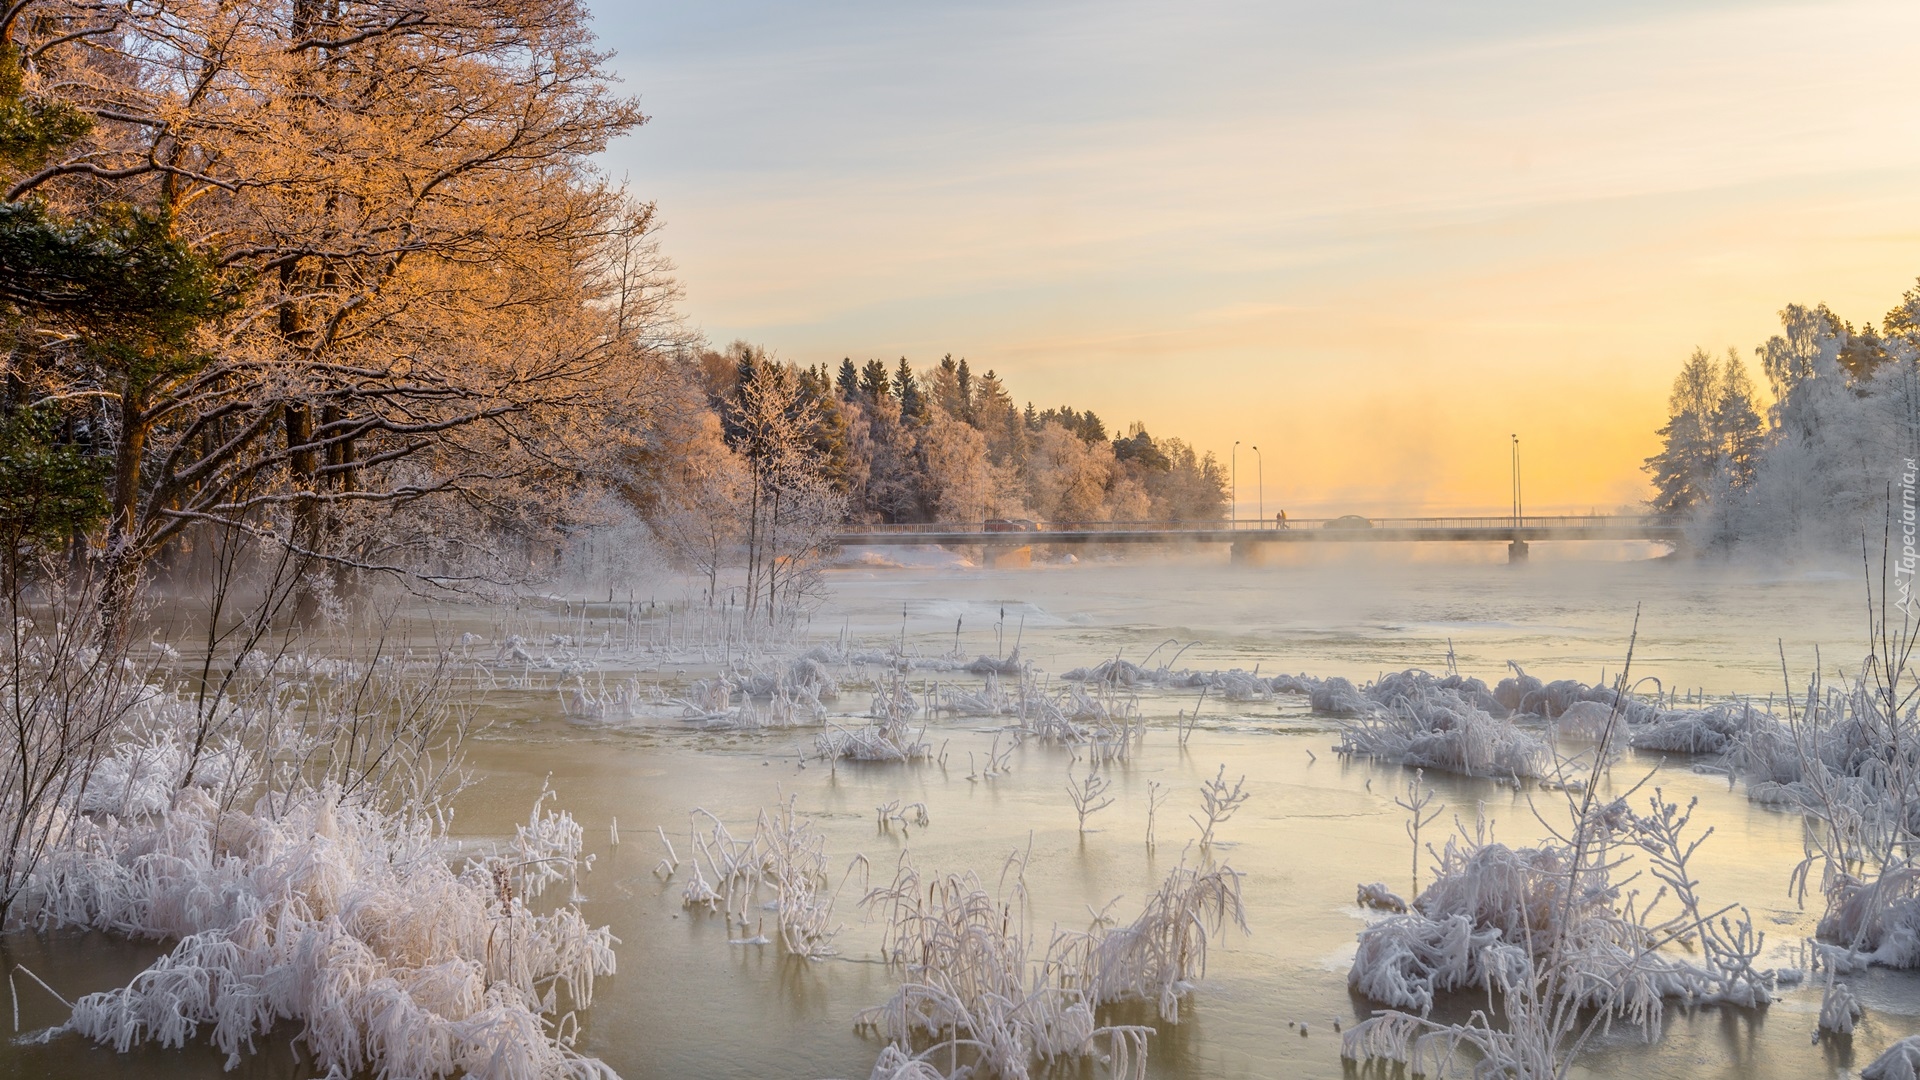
(1067, 476)
(1810, 338)
(700, 515)
(960, 478)
(887, 446)
(1193, 487)
(437, 307)
(1822, 475)
(949, 392)
(791, 508)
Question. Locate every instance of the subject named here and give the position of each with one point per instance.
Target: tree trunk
(303, 467)
(124, 549)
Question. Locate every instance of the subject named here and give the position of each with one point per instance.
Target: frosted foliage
(972, 984)
(1839, 1009)
(1439, 723)
(784, 859)
(975, 985)
(1880, 917)
(1852, 766)
(1156, 957)
(1555, 936)
(345, 919)
(1821, 479)
(1234, 685)
(1901, 1061)
(1457, 724)
(883, 740)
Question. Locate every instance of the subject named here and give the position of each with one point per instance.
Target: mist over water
(1358, 611)
(686, 1003)
(1313, 830)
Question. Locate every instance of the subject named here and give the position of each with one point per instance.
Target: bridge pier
(1516, 552)
(1012, 558)
(1246, 553)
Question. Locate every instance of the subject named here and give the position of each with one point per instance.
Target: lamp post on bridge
(1517, 547)
(1261, 461)
(1233, 480)
(1519, 505)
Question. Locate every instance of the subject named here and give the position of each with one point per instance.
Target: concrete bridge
(1012, 542)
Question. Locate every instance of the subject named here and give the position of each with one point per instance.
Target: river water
(686, 1003)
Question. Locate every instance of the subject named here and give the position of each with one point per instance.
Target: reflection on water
(687, 1004)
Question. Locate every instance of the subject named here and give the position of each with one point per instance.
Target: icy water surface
(686, 1003)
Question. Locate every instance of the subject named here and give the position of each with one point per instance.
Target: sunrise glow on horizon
(1373, 240)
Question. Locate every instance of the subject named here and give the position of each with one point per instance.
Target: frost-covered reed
(980, 998)
(1158, 956)
(784, 861)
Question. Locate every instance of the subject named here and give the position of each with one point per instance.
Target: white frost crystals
(978, 995)
(287, 837)
(346, 919)
(1561, 942)
(1417, 719)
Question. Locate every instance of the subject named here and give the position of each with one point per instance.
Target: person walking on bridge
(1280, 520)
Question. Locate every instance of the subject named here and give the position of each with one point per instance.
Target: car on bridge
(1348, 521)
(1009, 525)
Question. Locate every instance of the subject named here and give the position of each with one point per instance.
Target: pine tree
(1689, 453)
(913, 408)
(873, 381)
(1738, 431)
(1863, 354)
(995, 414)
(828, 434)
(848, 382)
(943, 389)
(1902, 324)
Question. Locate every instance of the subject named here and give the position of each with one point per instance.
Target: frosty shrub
(1416, 719)
(345, 919)
(978, 996)
(1563, 948)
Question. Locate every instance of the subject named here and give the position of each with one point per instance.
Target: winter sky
(1371, 238)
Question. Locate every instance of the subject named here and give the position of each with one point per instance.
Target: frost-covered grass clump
(980, 999)
(1458, 724)
(1848, 757)
(1555, 936)
(1233, 685)
(343, 918)
(1425, 721)
(280, 821)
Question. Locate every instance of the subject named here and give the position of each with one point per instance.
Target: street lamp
(1261, 462)
(1519, 505)
(1233, 479)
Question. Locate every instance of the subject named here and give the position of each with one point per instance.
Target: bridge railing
(1505, 521)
